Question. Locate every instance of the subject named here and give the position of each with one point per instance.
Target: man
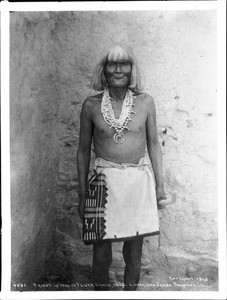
(119, 203)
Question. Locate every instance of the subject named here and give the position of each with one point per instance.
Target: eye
(110, 64)
(125, 63)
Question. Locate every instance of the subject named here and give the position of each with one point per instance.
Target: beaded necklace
(120, 123)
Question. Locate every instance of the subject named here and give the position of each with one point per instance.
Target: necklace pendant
(120, 123)
(119, 137)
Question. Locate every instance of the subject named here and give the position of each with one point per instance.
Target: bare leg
(132, 251)
(102, 257)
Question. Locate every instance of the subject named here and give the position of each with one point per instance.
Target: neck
(118, 94)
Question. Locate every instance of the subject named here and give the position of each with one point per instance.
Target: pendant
(119, 137)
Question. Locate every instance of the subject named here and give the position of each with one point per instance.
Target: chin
(119, 84)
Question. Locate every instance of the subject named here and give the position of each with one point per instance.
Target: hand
(170, 199)
(81, 208)
(81, 205)
(160, 195)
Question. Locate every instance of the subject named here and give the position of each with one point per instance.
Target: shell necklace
(121, 123)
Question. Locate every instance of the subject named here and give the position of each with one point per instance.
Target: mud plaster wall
(52, 58)
(34, 145)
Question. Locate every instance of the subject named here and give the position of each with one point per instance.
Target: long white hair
(114, 53)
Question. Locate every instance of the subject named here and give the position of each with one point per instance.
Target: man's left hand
(160, 195)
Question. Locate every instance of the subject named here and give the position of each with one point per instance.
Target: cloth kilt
(120, 202)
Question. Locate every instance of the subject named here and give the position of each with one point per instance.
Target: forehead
(118, 53)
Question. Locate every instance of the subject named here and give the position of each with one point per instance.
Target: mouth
(118, 76)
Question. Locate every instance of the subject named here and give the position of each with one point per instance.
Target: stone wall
(52, 58)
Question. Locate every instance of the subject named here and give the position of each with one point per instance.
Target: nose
(118, 67)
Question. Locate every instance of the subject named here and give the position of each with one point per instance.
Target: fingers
(160, 206)
(161, 197)
(170, 200)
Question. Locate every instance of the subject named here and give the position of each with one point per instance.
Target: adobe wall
(34, 146)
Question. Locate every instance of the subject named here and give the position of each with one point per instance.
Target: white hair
(115, 53)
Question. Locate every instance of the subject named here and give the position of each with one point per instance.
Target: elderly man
(119, 203)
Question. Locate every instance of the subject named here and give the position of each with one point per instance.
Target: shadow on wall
(52, 58)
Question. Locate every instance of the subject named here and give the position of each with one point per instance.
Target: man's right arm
(84, 151)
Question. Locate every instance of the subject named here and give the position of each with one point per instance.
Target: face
(118, 73)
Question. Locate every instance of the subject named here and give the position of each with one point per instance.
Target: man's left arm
(154, 148)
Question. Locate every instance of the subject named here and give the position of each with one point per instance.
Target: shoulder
(147, 100)
(90, 102)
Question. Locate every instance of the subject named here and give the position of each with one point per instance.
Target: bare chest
(136, 126)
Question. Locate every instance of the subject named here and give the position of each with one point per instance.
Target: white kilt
(121, 202)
